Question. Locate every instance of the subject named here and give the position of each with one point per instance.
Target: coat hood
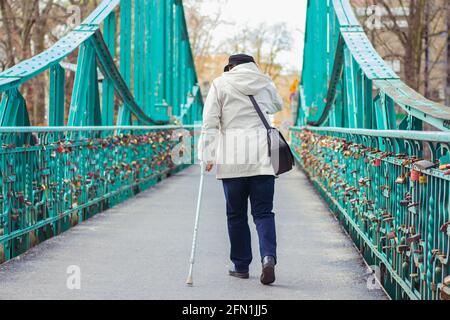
(247, 79)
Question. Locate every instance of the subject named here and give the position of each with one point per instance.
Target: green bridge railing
(363, 146)
(54, 178)
(395, 207)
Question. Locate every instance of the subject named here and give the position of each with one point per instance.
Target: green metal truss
(164, 88)
(342, 73)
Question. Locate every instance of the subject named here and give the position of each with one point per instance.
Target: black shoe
(268, 270)
(241, 275)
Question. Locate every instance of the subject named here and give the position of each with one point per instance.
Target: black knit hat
(238, 59)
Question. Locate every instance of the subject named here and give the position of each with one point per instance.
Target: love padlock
(445, 291)
(347, 153)
(415, 175)
(376, 163)
(445, 227)
(402, 179)
(447, 281)
(405, 203)
(423, 179)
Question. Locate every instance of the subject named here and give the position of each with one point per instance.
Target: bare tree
(29, 27)
(265, 43)
(419, 45)
(201, 26)
(201, 29)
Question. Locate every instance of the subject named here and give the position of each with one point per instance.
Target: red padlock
(415, 175)
(377, 163)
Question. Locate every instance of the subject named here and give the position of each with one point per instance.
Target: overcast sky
(253, 12)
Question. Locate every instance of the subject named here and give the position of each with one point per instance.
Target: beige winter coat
(233, 136)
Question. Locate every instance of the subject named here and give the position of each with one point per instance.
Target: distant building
(377, 22)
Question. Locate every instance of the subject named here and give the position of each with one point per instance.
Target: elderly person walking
(235, 140)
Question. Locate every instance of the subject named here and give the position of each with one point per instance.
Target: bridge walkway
(140, 250)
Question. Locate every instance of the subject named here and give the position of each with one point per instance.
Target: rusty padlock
(347, 153)
(445, 227)
(376, 162)
(445, 291)
(402, 179)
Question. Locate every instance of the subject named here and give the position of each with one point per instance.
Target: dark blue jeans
(260, 190)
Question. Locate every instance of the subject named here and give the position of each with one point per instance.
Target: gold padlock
(347, 153)
(423, 180)
(402, 179)
(74, 218)
(34, 238)
(445, 291)
(2, 253)
(77, 183)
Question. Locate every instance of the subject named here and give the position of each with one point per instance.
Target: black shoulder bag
(280, 153)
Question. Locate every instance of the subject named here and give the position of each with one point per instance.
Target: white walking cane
(190, 280)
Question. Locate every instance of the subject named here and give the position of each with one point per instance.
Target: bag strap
(260, 113)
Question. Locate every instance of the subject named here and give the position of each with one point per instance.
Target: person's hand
(209, 166)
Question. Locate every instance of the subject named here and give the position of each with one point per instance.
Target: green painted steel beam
(150, 52)
(177, 58)
(110, 70)
(109, 31)
(315, 57)
(432, 136)
(85, 89)
(169, 52)
(13, 110)
(124, 114)
(139, 50)
(30, 129)
(158, 56)
(56, 106)
(350, 90)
